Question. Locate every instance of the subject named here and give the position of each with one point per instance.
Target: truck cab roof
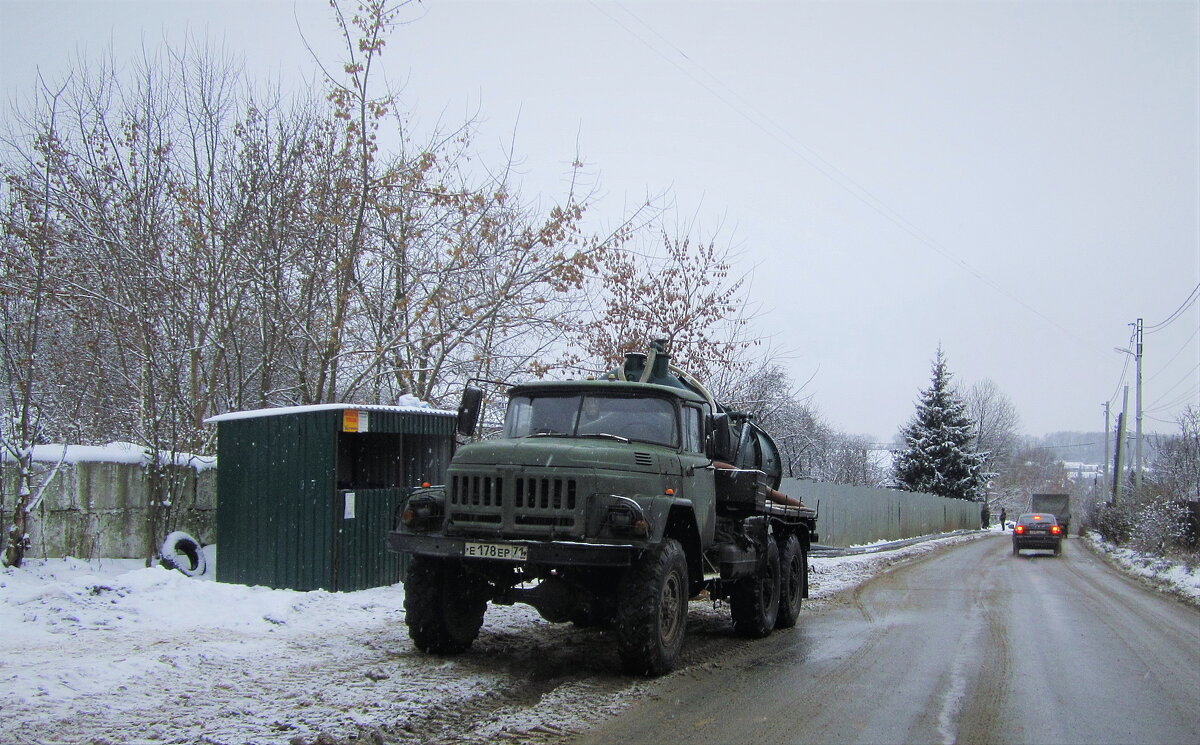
(620, 387)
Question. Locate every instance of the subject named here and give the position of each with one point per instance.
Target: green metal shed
(305, 494)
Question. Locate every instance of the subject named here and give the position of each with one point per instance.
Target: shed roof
(284, 410)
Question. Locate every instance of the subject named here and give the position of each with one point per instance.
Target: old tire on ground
(652, 610)
(443, 605)
(793, 567)
(755, 600)
(183, 552)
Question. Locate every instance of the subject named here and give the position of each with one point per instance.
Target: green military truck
(607, 502)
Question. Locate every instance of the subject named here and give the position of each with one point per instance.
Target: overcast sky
(1016, 181)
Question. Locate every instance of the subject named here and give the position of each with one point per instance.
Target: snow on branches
(939, 456)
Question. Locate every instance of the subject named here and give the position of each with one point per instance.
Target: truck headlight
(625, 517)
(422, 511)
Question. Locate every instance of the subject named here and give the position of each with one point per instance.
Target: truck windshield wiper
(547, 433)
(618, 438)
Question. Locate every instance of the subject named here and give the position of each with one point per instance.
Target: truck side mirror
(720, 437)
(468, 410)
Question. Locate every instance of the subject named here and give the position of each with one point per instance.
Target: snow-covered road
(109, 652)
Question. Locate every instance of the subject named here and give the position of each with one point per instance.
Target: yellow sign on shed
(354, 420)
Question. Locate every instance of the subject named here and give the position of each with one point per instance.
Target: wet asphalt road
(970, 645)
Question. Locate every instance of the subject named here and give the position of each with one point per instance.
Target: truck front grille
(486, 491)
(530, 505)
(546, 493)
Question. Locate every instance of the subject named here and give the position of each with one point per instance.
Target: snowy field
(111, 652)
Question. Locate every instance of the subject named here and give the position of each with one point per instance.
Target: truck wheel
(755, 600)
(793, 565)
(443, 605)
(652, 611)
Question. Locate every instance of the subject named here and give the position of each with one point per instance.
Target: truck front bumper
(552, 553)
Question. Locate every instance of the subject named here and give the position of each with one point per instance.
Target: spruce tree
(939, 456)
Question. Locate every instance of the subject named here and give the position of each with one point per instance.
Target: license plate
(502, 551)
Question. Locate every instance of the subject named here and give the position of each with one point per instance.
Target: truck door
(697, 476)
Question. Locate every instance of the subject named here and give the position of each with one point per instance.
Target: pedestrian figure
(1003, 519)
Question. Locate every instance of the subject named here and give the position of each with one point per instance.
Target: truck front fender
(681, 525)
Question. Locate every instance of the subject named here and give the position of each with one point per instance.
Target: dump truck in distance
(1058, 505)
(607, 502)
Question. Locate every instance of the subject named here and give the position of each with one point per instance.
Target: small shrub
(1115, 521)
(1159, 526)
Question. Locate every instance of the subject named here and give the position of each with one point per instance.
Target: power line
(1178, 383)
(1174, 356)
(1124, 370)
(1187, 303)
(1192, 394)
(1157, 419)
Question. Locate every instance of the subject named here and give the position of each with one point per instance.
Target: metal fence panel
(854, 515)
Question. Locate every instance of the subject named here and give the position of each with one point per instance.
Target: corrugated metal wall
(281, 513)
(275, 487)
(854, 515)
(360, 556)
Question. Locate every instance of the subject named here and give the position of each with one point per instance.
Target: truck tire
(793, 566)
(652, 611)
(755, 600)
(443, 605)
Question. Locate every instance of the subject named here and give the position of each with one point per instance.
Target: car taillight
(1019, 529)
(1055, 529)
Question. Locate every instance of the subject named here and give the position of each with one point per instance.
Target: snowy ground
(110, 652)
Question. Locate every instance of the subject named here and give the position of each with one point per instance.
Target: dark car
(1037, 530)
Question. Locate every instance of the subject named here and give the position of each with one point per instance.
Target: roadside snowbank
(1174, 577)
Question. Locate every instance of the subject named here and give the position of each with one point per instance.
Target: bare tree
(31, 243)
(1175, 470)
(1030, 470)
(997, 422)
(684, 290)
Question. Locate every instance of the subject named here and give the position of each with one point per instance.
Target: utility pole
(1137, 458)
(1107, 424)
(1119, 468)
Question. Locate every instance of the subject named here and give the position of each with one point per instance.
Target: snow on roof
(406, 405)
(113, 452)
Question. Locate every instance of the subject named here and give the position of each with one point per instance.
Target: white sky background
(1015, 180)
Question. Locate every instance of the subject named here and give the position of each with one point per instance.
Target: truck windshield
(645, 419)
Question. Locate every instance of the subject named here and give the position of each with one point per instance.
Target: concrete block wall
(854, 515)
(101, 510)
